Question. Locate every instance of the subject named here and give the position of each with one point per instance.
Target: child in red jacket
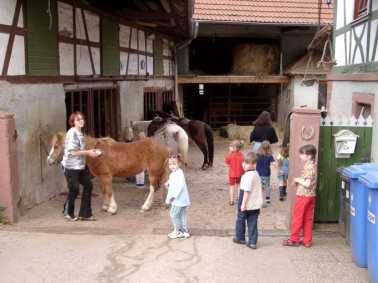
(234, 160)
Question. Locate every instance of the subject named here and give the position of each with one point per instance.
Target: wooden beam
(10, 29)
(12, 35)
(273, 79)
(361, 77)
(87, 38)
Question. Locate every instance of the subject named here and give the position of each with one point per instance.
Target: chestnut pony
(120, 159)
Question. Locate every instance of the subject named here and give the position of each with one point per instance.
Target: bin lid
(356, 170)
(370, 180)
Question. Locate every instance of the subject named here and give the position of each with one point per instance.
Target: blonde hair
(284, 151)
(237, 144)
(265, 148)
(250, 158)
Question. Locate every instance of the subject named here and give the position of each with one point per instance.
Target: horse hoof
(112, 210)
(105, 207)
(145, 208)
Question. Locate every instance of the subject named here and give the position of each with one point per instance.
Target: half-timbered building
(112, 60)
(354, 79)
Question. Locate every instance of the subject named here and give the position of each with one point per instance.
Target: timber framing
(271, 79)
(13, 30)
(12, 34)
(360, 77)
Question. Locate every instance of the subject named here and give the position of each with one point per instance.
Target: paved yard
(132, 246)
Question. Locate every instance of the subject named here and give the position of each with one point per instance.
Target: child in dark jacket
(234, 160)
(264, 160)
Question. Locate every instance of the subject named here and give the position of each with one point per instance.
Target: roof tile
(263, 11)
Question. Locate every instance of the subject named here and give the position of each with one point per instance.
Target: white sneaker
(186, 235)
(175, 235)
(69, 218)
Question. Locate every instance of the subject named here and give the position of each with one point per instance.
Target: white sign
(352, 210)
(371, 217)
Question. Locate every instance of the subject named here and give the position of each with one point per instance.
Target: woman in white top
(75, 170)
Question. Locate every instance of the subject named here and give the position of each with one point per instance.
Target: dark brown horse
(198, 131)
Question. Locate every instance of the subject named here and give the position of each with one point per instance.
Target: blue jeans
(179, 218)
(250, 217)
(265, 184)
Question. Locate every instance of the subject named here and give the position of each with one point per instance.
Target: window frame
(360, 8)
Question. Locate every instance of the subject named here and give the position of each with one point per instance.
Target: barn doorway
(157, 99)
(100, 107)
(222, 104)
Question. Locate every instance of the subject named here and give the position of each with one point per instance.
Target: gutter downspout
(193, 32)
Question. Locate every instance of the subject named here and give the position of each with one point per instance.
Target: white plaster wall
(17, 60)
(166, 67)
(340, 55)
(349, 47)
(150, 65)
(166, 49)
(142, 65)
(142, 41)
(39, 111)
(134, 39)
(150, 45)
(66, 59)
(340, 104)
(374, 5)
(131, 98)
(96, 55)
(93, 25)
(20, 22)
(305, 95)
(373, 31)
(340, 14)
(123, 60)
(65, 18)
(133, 64)
(83, 61)
(124, 35)
(7, 8)
(4, 37)
(349, 8)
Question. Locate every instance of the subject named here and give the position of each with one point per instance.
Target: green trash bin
(344, 213)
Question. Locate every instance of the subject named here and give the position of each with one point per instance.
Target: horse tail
(210, 143)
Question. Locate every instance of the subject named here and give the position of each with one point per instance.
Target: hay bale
(255, 59)
(238, 132)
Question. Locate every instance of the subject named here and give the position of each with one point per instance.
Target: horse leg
(203, 149)
(150, 198)
(106, 186)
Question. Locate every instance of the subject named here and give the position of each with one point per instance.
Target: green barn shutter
(110, 48)
(158, 57)
(42, 43)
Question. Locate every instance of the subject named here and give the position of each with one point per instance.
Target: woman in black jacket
(263, 131)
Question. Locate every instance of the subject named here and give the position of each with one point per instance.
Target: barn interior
(230, 74)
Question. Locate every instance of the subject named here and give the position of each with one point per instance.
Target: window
(360, 8)
(362, 104)
(322, 98)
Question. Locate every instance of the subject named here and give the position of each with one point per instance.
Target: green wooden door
(42, 38)
(328, 199)
(110, 48)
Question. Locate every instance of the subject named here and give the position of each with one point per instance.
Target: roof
(301, 12)
(303, 67)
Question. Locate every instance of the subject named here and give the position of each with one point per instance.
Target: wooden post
(304, 129)
(9, 194)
